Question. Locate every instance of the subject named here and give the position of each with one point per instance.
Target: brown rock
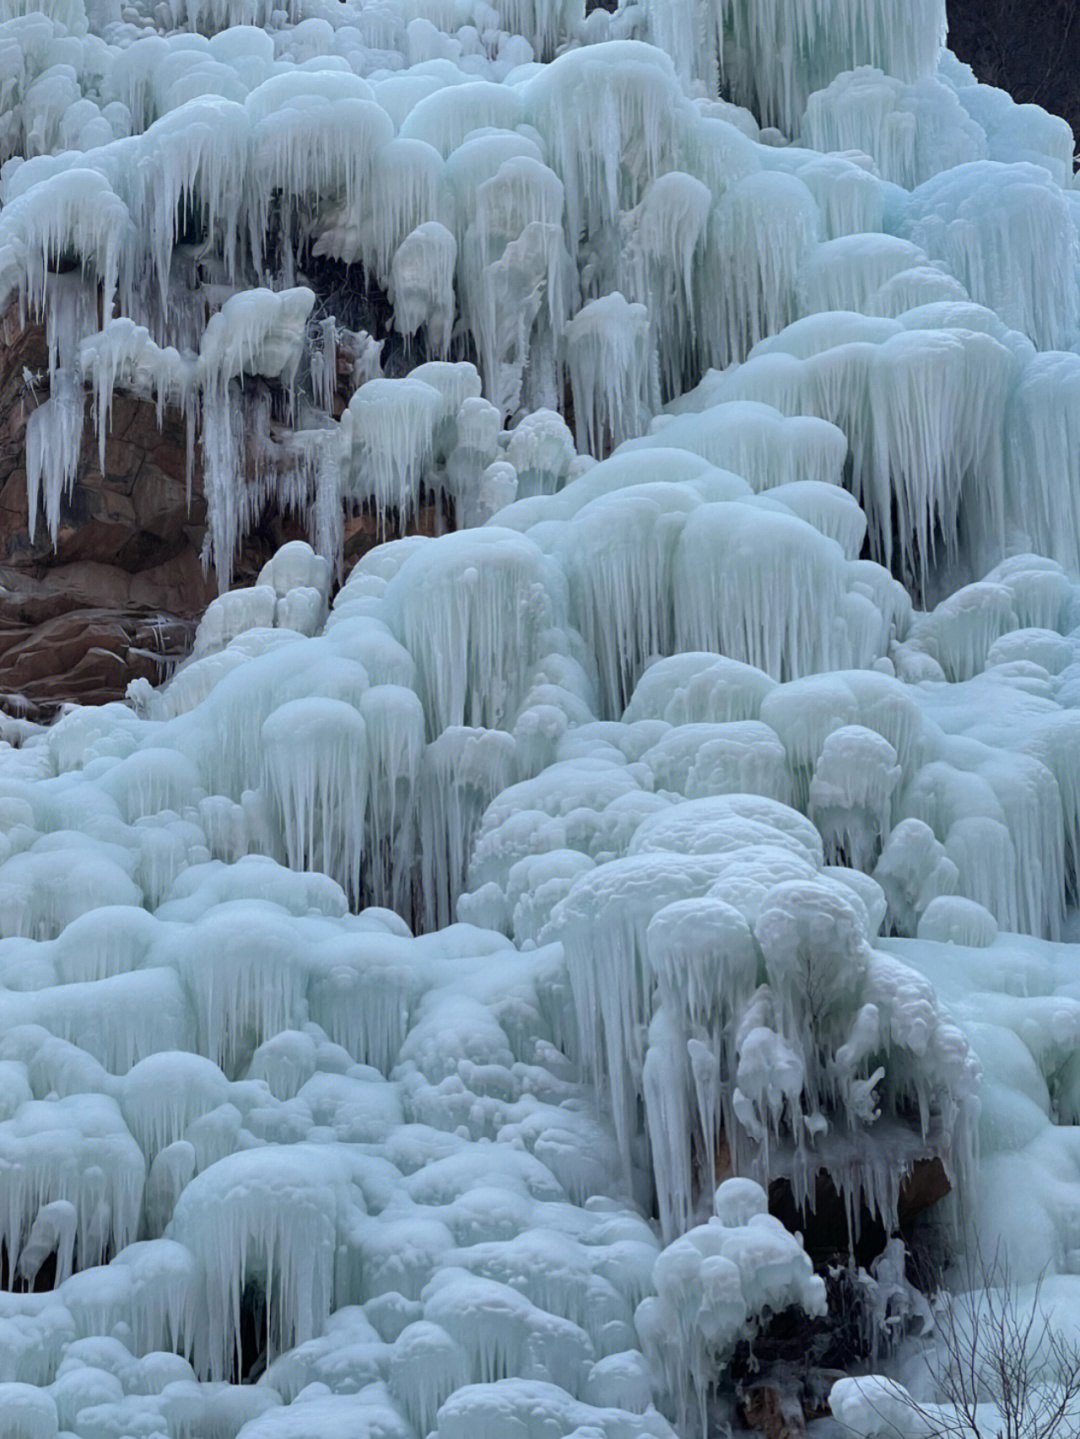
(136, 422)
(81, 617)
(922, 1186)
(124, 580)
(771, 1412)
(170, 455)
(97, 526)
(176, 587)
(13, 513)
(161, 503)
(33, 600)
(122, 460)
(84, 655)
(724, 1167)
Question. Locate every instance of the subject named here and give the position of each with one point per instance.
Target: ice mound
(382, 999)
(713, 1287)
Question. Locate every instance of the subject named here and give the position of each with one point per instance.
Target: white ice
(382, 998)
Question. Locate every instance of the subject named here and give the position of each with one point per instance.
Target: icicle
(517, 279)
(422, 285)
(612, 372)
(324, 368)
(73, 212)
(314, 135)
(316, 759)
(631, 92)
(444, 118)
(388, 434)
(657, 268)
(912, 131)
(541, 450)
(200, 160)
(1018, 250)
(756, 442)
(394, 726)
(714, 1286)
(771, 56)
(543, 24)
(471, 610)
(602, 924)
(618, 555)
(1041, 445)
(730, 564)
(463, 771)
(763, 228)
(53, 442)
(851, 795)
(256, 332)
(122, 355)
(75, 1157)
(849, 273)
(666, 1087)
(223, 464)
(225, 963)
(270, 1215)
(706, 966)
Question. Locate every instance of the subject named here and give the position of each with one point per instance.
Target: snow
(382, 998)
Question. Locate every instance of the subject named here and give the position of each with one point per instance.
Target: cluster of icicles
(440, 157)
(383, 999)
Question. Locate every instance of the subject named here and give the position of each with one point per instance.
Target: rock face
(84, 654)
(119, 593)
(773, 1413)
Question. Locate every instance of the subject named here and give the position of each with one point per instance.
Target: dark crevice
(253, 1338)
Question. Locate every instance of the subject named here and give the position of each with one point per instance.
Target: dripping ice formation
(384, 998)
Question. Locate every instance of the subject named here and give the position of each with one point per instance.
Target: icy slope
(383, 999)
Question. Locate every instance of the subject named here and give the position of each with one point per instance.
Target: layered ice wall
(384, 999)
(446, 161)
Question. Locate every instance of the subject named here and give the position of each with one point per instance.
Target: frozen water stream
(383, 998)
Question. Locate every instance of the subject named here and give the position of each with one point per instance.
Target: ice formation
(383, 998)
(714, 1284)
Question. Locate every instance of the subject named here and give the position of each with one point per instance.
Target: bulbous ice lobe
(734, 725)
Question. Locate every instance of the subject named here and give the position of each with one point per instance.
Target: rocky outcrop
(83, 653)
(118, 594)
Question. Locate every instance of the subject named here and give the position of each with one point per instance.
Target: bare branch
(993, 1349)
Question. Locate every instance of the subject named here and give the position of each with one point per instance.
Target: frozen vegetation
(404, 1009)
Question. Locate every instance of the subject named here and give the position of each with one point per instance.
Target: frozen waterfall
(407, 1009)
